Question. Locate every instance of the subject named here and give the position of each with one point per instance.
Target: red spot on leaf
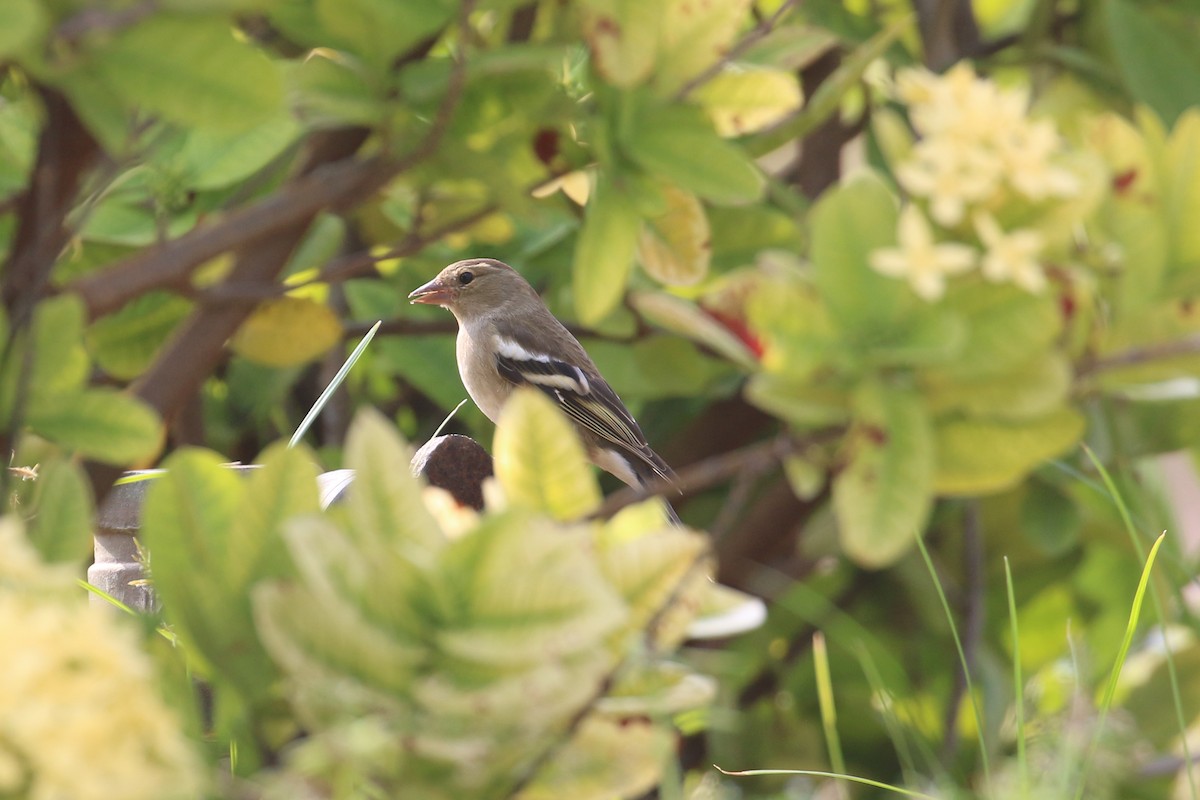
(1123, 182)
(738, 328)
(545, 145)
(876, 435)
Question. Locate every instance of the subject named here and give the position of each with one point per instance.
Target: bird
(508, 338)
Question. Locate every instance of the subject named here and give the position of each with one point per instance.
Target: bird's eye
(465, 277)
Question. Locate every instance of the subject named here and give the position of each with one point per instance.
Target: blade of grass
(962, 659)
(108, 598)
(828, 709)
(1159, 614)
(449, 417)
(1018, 681)
(750, 773)
(887, 710)
(315, 411)
(1111, 689)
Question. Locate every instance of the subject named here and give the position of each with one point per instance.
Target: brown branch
(973, 622)
(756, 34)
(755, 459)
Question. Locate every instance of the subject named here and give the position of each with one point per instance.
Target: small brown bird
(508, 338)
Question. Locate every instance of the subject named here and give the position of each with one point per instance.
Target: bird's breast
(477, 366)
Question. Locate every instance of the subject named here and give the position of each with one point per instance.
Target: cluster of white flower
(977, 150)
(79, 716)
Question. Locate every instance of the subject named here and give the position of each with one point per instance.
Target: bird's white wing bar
(520, 365)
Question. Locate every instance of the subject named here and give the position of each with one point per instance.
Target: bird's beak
(435, 293)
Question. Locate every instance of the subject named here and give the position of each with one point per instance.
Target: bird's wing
(586, 398)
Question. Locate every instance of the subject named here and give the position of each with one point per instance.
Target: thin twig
(757, 33)
(1136, 356)
(755, 458)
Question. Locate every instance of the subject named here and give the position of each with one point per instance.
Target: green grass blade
(890, 721)
(1159, 615)
(750, 773)
(1111, 689)
(315, 411)
(1018, 681)
(826, 704)
(962, 660)
(108, 598)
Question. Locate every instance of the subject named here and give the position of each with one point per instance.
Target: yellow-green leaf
(744, 99)
(1031, 390)
(685, 318)
(604, 251)
(20, 21)
(883, 494)
(60, 511)
(623, 37)
(675, 246)
(125, 343)
(695, 34)
(287, 331)
(540, 461)
(976, 456)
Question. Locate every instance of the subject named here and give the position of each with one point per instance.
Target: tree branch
(755, 458)
(1136, 356)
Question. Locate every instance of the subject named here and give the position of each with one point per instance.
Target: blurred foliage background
(903, 290)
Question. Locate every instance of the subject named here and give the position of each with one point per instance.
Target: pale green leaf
(528, 592)
(387, 512)
(980, 456)
(623, 38)
(744, 99)
(883, 493)
(328, 90)
(606, 758)
(675, 246)
(1007, 327)
(540, 461)
(647, 568)
(101, 424)
(191, 71)
(678, 143)
(658, 690)
(59, 511)
(604, 252)
(1181, 185)
(286, 332)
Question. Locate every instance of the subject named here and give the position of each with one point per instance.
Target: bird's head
(474, 284)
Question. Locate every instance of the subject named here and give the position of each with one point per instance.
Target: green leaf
(678, 143)
(59, 512)
(798, 401)
(884, 492)
(212, 160)
(1007, 328)
(607, 757)
(1181, 187)
(125, 343)
(1050, 518)
(623, 38)
(331, 92)
(188, 520)
(849, 223)
(101, 424)
(380, 30)
(191, 71)
(1031, 390)
(1157, 66)
(281, 487)
(686, 319)
(20, 21)
(540, 461)
(604, 251)
(980, 456)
